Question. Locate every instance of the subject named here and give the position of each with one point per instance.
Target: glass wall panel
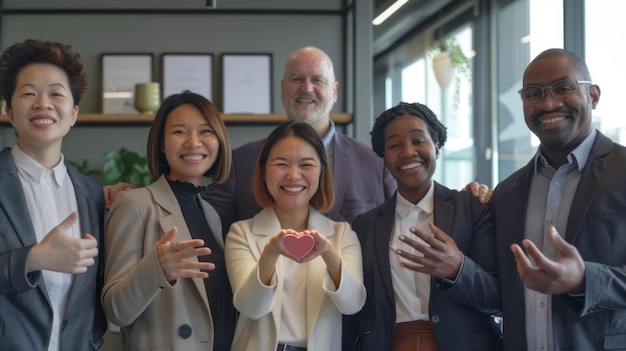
(523, 29)
(603, 41)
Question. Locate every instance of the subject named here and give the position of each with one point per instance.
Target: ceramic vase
(147, 97)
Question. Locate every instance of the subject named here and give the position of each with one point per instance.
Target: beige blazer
(260, 307)
(153, 314)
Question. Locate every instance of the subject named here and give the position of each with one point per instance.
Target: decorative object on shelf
(147, 97)
(192, 72)
(247, 83)
(450, 62)
(126, 166)
(120, 73)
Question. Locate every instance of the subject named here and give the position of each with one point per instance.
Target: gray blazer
(459, 314)
(25, 314)
(153, 313)
(597, 227)
(360, 179)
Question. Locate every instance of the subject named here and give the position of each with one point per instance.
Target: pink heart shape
(298, 245)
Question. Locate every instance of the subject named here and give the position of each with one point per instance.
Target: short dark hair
(157, 163)
(437, 131)
(32, 51)
(324, 197)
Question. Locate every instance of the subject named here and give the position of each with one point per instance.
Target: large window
(603, 41)
(414, 81)
(524, 28)
(518, 31)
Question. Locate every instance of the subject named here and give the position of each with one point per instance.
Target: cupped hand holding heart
(298, 244)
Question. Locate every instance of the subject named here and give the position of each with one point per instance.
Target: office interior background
(377, 65)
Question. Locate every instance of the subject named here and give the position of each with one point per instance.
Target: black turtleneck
(217, 286)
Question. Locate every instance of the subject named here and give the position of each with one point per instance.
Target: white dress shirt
(411, 289)
(50, 198)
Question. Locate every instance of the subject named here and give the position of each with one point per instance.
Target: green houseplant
(127, 166)
(450, 62)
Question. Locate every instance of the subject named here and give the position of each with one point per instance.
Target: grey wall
(342, 32)
(95, 33)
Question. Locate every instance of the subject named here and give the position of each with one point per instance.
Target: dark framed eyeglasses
(560, 91)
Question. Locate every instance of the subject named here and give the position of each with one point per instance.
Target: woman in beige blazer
(292, 300)
(162, 240)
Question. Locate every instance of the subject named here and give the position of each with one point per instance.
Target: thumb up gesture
(61, 253)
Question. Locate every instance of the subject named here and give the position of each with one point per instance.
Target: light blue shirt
(550, 199)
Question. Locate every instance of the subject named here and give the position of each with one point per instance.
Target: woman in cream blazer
(285, 300)
(158, 238)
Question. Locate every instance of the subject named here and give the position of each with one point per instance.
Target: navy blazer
(597, 227)
(360, 179)
(459, 314)
(25, 314)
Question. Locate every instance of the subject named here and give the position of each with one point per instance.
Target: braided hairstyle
(436, 129)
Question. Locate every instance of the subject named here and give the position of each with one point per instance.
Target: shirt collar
(328, 138)
(426, 204)
(34, 170)
(579, 155)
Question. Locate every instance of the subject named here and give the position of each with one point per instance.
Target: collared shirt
(550, 199)
(411, 289)
(293, 324)
(50, 198)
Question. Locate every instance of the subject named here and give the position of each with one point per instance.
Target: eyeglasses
(560, 91)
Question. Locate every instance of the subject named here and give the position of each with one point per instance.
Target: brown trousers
(414, 336)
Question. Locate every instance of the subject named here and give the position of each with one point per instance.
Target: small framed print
(120, 73)
(247, 83)
(193, 72)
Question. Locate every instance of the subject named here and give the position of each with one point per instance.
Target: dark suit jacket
(597, 227)
(459, 314)
(361, 182)
(25, 314)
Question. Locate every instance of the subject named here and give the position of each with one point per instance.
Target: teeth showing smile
(193, 157)
(294, 189)
(552, 120)
(43, 121)
(410, 166)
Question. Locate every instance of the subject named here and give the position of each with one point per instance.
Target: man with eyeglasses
(561, 219)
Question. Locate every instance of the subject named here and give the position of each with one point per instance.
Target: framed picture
(192, 72)
(120, 73)
(247, 83)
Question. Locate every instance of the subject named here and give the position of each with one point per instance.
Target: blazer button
(434, 318)
(184, 331)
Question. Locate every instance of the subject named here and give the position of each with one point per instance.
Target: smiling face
(42, 108)
(308, 88)
(560, 125)
(189, 144)
(410, 155)
(292, 174)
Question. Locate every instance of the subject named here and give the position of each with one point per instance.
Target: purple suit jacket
(360, 179)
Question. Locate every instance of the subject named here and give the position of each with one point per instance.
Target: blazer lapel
(316, 270)
(213, 220)
(382, 235)
(340, 167)
(13, 201)
(443, 210)
(589, 182)
(164, 197)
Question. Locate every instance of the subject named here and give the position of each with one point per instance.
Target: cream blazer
(153, 314)
(260, 307)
